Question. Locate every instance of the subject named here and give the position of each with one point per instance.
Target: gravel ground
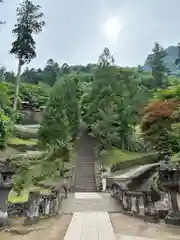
(126, 225)
(52, 229)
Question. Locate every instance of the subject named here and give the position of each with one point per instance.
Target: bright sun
(112, 28)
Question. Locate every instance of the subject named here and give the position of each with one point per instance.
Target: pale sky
(77, 31)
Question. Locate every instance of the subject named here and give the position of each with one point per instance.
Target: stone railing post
(150, 212)
(169, 175)
(33, 208)
(56, 199)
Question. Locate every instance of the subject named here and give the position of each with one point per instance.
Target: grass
(73, 155)
(14, 198)
(176, 157)
(117, 155)
(24, 195)
(19, 141)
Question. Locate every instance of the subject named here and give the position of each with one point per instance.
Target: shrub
(156, 124)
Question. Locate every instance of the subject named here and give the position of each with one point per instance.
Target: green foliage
(160, 123)
(159, 70)
(170, 60)
(177, 60)
(110, 109)
(106, 59)
(29, 21)
(5, 99)
(37, 95)
(61, 117)
(116, 155)
(51, 72)
(172, 92)
(157, 124)
(26, 132)
(5, 127)
(34, 94)
(18, 141)
(34, 168)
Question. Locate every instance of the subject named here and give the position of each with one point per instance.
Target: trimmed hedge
(23, 145)
(147, 159)
(25, 132)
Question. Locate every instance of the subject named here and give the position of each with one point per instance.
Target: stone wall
(32, 117)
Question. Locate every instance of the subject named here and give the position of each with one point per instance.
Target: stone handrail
(72, 179)
(38, 204)
(138, 203)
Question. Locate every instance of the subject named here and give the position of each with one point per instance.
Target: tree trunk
(17, 86)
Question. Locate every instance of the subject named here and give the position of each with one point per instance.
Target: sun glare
(112, 28)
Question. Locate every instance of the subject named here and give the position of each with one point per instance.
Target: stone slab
(90, 225)
(104, 204)
(87, 195)
(132, 237)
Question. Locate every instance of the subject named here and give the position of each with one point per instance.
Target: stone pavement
(92, 221)
(95, 218)
(93, 202)
(90, 225)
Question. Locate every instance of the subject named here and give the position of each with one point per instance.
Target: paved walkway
(89, 224)
(90, 202)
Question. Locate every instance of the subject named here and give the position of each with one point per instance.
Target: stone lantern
(169, 175)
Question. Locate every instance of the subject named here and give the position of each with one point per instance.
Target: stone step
(85, 171)
(86, 176)
(78, 183)
(85, 188)
(82, 183)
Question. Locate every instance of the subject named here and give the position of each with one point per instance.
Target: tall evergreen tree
(29, 21)
(52, 71)
(106, 59)
(159, 70)
(65, 68)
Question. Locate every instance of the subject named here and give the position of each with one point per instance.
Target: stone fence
(38, 204)
(136, 203)
(140, 204)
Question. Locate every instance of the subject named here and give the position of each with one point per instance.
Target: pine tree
(159, 70)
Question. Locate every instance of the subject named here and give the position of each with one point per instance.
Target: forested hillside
(124, 108)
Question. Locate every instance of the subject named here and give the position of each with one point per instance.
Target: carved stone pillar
(169, 175)
(33, 208)
(55, 201)
(150, 212)
(46, 204)
(173, 216)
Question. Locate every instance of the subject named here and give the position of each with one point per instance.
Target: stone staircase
(85, 177)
